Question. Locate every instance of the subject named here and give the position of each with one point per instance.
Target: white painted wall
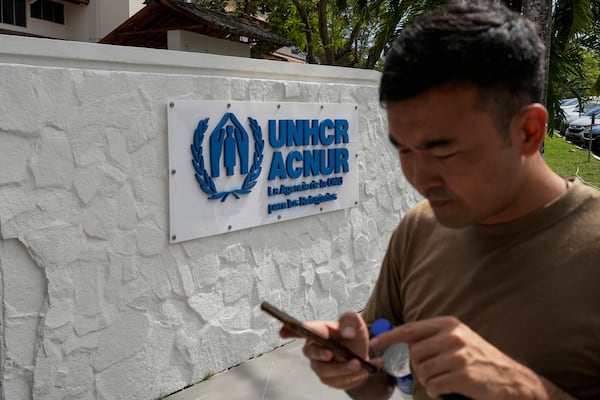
(96, 304)
(135, 6)
(97, 19)
(191, 41)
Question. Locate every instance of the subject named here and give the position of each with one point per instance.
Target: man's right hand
(352, 332)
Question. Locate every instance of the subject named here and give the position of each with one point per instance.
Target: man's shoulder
(583, 189)
(420, 211)
(585, 197)
(418, 220)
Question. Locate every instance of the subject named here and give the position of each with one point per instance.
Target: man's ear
(530, 128)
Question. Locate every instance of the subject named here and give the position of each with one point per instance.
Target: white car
(572, 111)
(569, 104)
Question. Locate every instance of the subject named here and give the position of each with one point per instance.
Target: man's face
(452, 152)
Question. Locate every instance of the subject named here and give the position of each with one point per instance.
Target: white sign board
(235, 165)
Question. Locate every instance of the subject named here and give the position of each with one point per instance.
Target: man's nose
(425, 173)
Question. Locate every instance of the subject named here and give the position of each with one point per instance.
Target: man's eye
(445, 156)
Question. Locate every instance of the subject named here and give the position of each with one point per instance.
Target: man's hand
(352, 332)
(448, 357)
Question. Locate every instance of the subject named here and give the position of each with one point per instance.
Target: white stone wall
(96, 304)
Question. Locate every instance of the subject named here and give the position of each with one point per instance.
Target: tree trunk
(540, 12)
(325, 40)
(350, 42)
(310, 53)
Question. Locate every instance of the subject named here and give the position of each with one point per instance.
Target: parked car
(594, 136)
(567, 104)
(576, 131)
(571, 111)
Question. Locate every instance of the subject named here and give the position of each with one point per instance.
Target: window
(12, 12)
(48, 11)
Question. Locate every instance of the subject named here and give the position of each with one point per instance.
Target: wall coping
(95, 56)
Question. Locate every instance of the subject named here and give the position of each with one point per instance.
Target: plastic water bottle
(397, 363)
(396, 360)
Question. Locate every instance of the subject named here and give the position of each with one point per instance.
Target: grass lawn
(569, 161)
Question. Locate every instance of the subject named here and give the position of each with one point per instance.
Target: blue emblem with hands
(228, 148)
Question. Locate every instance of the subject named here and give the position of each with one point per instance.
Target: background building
(80, 20)
(164, 24)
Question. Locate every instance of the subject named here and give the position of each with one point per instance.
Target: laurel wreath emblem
(206, 183)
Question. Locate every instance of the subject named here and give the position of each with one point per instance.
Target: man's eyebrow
(428, 145)
(432, 144)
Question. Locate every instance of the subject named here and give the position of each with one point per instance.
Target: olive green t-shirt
(531, 287)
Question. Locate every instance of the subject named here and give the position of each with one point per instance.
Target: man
(494, 279)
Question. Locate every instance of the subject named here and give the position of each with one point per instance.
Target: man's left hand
(448, 357)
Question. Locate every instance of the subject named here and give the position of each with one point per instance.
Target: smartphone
(297, 327)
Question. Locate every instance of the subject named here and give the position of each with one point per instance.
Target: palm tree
(574, 22)
(567, 27)
(392, 16)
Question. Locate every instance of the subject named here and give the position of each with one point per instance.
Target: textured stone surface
(122, 339)
(97, 304)
(13, 163)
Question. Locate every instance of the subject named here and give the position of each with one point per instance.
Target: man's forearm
(377, 386)
(549, 391)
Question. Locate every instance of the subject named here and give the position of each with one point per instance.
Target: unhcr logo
(240, 164)
(229, 153)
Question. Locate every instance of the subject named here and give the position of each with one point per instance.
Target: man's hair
(473, 43)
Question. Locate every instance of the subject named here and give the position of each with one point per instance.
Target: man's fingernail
(348, 332)
(374, 342)
(353, 366)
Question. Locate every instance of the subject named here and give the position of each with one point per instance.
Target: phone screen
(296, 326)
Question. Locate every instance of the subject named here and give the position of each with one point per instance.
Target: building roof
(149, 26)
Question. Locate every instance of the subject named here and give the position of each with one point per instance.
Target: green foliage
(591, 71)
(358, 33)
(590, 40)
(285, 21)
(216, 5)
(352, 33)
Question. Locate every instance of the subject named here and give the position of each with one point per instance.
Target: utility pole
(591, 138)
